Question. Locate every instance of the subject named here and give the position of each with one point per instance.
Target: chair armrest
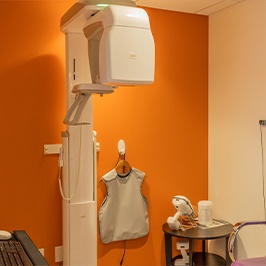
(236, 228)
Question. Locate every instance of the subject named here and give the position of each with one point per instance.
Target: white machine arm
(120, 48)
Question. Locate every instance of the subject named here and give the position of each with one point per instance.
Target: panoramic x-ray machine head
(108, 44)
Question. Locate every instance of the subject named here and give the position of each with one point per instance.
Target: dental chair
(260, 261)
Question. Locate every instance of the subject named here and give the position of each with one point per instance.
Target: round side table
(198, 258)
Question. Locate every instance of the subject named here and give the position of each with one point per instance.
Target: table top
(199, 233)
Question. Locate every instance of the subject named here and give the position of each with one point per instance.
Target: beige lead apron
(124, 211)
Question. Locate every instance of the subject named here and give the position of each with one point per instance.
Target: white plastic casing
(126, 49)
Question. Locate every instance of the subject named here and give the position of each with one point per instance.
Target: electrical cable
(121, 262)
(61, 168)
(263, 170)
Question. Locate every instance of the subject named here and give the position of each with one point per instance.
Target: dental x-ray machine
(108, 43)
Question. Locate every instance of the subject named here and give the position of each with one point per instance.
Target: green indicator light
(102, 5)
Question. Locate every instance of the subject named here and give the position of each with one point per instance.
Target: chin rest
(261, 261)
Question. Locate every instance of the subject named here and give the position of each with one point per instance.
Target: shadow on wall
(35, 84)
(32, 108)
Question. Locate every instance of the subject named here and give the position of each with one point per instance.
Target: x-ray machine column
(79, 207)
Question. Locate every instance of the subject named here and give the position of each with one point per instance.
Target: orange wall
(164, 125)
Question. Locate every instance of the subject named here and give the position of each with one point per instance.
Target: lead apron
(124, 211)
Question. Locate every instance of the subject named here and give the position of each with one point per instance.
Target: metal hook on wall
(122, 165)
(121, 149)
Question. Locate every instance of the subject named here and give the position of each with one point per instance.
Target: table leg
(203, 246)
(191, 250)
(168, 249)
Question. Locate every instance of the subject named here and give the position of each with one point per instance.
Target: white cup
(205, 212)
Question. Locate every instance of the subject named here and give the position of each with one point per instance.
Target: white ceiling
(201, 7)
